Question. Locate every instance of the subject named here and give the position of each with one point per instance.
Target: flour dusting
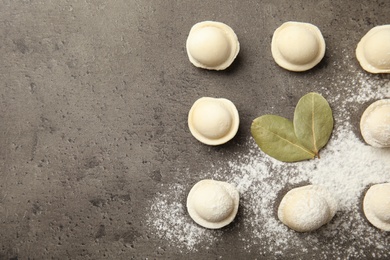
(346, 169)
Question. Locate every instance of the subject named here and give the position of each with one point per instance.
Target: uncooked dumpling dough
(213, 121)
(297, 46)
(375, 124)
(307, 208)
(376, 206)
(212, 45)
(213, 204)
(373, 50)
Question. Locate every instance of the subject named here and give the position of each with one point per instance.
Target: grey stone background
(94, 97)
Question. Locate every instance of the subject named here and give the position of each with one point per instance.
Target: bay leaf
(276, 137)
(313, 121)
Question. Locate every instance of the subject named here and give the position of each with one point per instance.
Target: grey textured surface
(94, 97)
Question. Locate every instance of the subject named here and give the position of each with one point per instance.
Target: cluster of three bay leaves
(300, 139)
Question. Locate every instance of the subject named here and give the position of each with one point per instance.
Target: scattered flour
(346, 168)
(171, 221)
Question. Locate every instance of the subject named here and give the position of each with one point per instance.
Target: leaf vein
(313, 126)
(293, 144)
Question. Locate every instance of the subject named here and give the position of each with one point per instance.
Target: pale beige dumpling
(297, 46)
(213, 121)
(375, 124)
(376, 206)
(373, 50)
(307, 208)
(213, 204)
(212, 45)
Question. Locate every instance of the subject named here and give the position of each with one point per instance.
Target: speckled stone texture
(94, 97)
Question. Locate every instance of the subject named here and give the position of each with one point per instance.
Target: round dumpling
(375, 124)
(373, 50)
(213, 204)
(297, 46)
(307, 208)
(212, 45)
(213, 121)
(376, 206)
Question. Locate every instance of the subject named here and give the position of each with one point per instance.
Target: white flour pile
(346, 168)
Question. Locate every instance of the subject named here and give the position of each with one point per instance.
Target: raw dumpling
(375, 124)
(376, 206)
(307, 208)
(373, 50)
(213, 121)
(297, 46)
(213, 204)
(212, 45)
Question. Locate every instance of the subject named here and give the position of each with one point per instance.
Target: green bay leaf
(313, 121)
(275, 136)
